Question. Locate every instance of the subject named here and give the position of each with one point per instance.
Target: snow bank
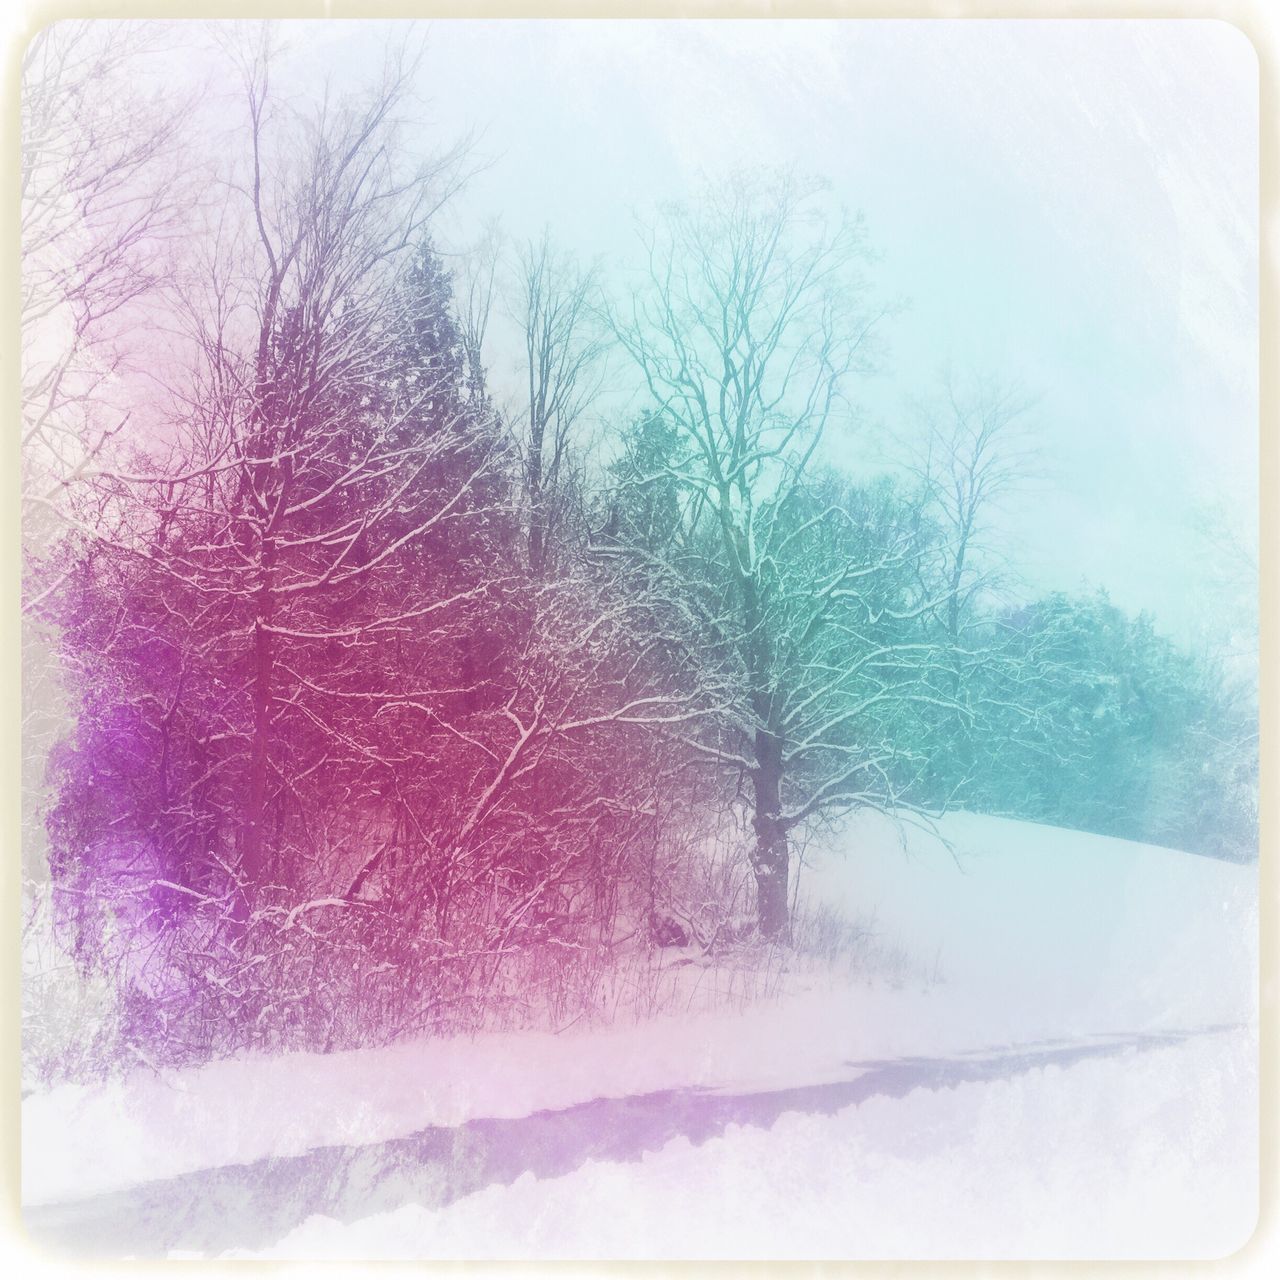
(1036, 933)
(1035, 927)
(1151, 1155)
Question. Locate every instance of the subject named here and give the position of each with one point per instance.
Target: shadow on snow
(252, 1206)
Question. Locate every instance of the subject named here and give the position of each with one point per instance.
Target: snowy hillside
(1036, 928)
(1016, 936)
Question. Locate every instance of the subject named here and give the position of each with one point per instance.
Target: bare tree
(101, 198)
(969, 453)
(328, 239)
(476, 282)
(748, 326)
(564, 364)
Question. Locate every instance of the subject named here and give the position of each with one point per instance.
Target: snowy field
(1145, 1155)
(1016, 937)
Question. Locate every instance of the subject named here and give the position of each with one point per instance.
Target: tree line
(386, 687)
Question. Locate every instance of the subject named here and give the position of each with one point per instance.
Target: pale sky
(1071, 205)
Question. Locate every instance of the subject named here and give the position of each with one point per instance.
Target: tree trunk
(537, 526)
(771, 857)
(253, 863)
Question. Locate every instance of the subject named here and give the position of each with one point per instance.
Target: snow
(1031, 934)
(1133, 1157)
(1037, 929)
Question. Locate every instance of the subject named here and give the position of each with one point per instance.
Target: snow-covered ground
(1143, 1156)
(1017, 934)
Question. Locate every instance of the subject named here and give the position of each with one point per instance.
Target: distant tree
(645, 497)
(1098, 722)
(475, 287)
(564, 350)
(101, 197)
(1206, 794)
(968, 452)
